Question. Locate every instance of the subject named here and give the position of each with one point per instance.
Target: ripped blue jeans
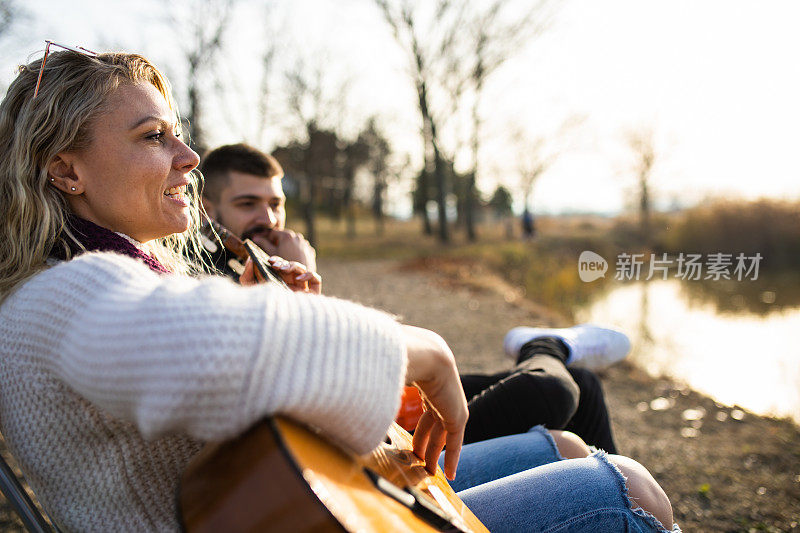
(521, 483)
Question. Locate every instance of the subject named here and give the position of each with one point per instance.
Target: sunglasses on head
(78, 50)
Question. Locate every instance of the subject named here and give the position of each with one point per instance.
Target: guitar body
(281, 476)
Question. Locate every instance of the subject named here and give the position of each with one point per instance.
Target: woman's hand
(296, 276)
(432, 368)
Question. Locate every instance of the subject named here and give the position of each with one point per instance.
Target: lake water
(739, 349)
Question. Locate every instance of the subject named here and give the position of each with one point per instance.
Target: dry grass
(770, 227)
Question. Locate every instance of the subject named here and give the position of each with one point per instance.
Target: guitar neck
(243, 250)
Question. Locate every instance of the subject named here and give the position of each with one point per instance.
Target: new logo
(591, 266)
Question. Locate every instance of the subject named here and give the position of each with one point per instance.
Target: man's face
(250, 206)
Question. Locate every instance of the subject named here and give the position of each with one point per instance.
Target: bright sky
(718, 81)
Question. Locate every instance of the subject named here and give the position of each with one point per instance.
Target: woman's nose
(186, 159)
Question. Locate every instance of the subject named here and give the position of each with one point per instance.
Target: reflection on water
(767, 295)
(720, 341)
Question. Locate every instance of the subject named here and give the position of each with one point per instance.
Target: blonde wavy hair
(33, 214)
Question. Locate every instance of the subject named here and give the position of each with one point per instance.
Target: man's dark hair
(239, 158)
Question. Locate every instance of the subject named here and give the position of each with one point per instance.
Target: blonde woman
(117, 365)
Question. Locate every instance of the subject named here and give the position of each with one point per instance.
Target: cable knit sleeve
(175, 354)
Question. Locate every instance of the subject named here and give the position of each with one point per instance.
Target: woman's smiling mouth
(177, 193)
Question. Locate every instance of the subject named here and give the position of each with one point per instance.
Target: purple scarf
(98, 239)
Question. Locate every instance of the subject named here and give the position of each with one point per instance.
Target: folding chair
(31, 517)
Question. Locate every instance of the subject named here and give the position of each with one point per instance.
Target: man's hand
(289, 245)
(432, 368)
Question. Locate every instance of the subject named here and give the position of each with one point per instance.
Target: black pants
(539, 390)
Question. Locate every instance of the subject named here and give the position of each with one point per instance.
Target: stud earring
(73, 189)
(52, 179)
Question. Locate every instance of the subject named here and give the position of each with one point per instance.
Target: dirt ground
(723, 468)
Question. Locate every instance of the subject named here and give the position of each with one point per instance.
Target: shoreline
(724, 468)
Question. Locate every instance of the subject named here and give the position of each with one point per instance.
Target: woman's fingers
(452, 452)
(430, 436)
(421, 433)
(314, 283)
(436, 442)
(453, 436)
(445, 434)
(297, 276)
(312, 280)
(431, 367)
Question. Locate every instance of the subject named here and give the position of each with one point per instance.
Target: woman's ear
(62, 176)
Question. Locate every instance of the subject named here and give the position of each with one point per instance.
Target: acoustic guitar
(283, 476)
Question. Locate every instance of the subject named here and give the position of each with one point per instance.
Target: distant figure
(528, 225)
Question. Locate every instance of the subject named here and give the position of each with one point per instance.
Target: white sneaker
(589, 346)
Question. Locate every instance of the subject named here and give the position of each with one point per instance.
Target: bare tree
(266, 88)
(317, 107)
(494, 38)
(202, 46)
(12, 18)
(535, 156)
(242, 103)
(262, 106)
(380, 151)
(642, 144)
(453, 48)
(355, 155)
(304, 91)
(533, 161)
(8, 14)
(430, 39)
(14, 34)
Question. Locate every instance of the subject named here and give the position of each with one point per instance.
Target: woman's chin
(175, 225)
(183, 226)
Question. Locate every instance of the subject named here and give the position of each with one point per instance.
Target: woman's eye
(157, 136)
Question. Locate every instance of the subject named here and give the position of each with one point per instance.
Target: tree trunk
(469, 215)
(438, 164)
(310, 190)
(472, 187)
(644, 209)
(422, 191)
(308, 212)
(377, 205)
(441, 193)
(195, 112)
(349, 208)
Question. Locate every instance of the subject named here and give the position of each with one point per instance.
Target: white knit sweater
(112, 377)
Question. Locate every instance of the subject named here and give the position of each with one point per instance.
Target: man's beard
(260, 230)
